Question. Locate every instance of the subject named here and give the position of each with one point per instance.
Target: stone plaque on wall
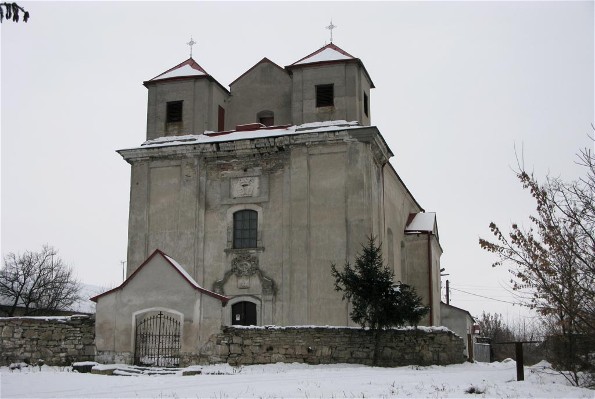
(245, 187)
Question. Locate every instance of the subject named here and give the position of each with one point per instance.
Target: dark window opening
(366, 104)
(173, 112)
(221, 119)
(325, 95)
(267, 118)
(243, 314)
(245, 229)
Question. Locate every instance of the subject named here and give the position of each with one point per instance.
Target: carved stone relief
(245, 266)
(245, 187)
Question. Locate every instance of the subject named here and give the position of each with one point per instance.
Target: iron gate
(157, 341)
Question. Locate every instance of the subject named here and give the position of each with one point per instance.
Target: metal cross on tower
(191, 43)
(331, 27)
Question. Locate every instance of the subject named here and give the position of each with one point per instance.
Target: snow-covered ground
(496, 380)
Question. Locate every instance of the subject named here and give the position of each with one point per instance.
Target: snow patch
(422, 222)
(185, 70)
(83, 364)
(283, 380)
(209, 137)
(327, 54)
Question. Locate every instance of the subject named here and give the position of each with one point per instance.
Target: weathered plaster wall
(417, 270)
(156, 287)
(457, 320)
(318, 345)
(318, 196)
(201, 98)
(350, 83)
(56, 340)
(264, 88)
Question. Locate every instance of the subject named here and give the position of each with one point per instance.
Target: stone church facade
(241, 199)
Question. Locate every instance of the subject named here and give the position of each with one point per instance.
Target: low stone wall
(57, 340)
(323, 345)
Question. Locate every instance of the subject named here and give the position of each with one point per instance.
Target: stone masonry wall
(56, 340)
(320, 345)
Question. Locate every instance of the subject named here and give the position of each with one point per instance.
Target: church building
(241, 198)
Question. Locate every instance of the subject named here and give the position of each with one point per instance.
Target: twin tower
(329, 84)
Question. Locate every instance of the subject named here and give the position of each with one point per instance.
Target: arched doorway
(243, 314)
(157, 340)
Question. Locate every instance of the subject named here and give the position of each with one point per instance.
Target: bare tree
(499, 331)
(38, 282)
(555, 261)
(11, 12)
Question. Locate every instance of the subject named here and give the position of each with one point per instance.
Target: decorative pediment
(244, 266)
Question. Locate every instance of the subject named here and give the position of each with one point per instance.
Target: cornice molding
(262, 146)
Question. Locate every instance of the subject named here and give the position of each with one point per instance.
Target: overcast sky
(458, 86)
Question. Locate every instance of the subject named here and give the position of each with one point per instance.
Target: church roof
(177, 267)
(189, 69)
(329, 54)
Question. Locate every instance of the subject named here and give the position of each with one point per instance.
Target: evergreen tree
(378, 302)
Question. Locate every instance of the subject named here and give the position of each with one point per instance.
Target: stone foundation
(57, 341)
(320, 345)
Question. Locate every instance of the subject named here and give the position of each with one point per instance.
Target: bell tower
(330, 84)
(185, 100)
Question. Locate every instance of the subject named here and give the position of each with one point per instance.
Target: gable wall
(266, 87)
(157, 286)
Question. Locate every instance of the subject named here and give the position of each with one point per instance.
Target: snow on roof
(422, 222)
(185, 69)
(330, 52)
(182, 271)
(212, 137)
(176, 266)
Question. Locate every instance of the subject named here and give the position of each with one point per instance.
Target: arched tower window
(267, 118)
(245, 229)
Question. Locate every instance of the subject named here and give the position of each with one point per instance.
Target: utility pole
(442, 274)
(123, 262)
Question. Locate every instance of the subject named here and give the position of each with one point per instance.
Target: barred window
(325, 95)
(245, 229)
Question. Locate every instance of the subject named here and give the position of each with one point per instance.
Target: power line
(482, 296)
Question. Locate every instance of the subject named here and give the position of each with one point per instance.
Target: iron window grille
(245, 229)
